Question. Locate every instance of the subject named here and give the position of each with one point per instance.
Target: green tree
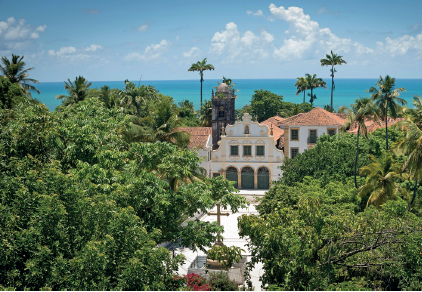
(188, 114)
(332, 60)
(78, 91)
(359, 112)
(161, 125)
(411, 146)
(301, 86)
(415, 114)
(312, 83)
(15, 72)
(10, 93)
(382, 181)
(137, 100)
(201, 67)
(265, 104)
(387, 100)
(310, 237)
(205, 114)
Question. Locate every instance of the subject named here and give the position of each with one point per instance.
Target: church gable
(247, 128)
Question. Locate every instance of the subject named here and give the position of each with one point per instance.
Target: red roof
(315, 117)
(275, 122)
(199, 136)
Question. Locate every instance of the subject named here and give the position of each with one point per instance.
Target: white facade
(247, 154)
(304, 140)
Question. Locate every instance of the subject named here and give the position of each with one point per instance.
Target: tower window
(221, 111)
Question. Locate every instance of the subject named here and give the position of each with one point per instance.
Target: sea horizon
(345, 93)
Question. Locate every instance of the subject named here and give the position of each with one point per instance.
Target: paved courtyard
(230, 235)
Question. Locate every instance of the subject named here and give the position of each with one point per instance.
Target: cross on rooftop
(246, 107)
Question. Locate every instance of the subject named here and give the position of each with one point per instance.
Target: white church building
(250, 153)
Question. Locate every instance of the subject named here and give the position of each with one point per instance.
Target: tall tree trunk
(304, 93)
(386, 130)
(201, 91)
(414, 195)
(356, 161)
(332, 87)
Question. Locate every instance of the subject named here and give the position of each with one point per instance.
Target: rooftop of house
(315, 117)
(199, 136)
(275, 122)
(321, 117)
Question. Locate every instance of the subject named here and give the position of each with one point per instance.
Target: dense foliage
(83, 209)
(333, 158)
(311, 237)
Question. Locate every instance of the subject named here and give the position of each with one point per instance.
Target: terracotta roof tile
(199, 136)
(371, 125)
(275, 122)
(315, 117)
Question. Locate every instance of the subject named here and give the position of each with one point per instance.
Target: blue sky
(159, 40)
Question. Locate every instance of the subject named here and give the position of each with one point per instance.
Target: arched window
(221, 111)
(246, 129)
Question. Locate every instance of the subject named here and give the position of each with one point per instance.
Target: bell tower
(222, 111)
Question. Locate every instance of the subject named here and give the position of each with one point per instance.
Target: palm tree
(387, 100)
(382, 182)
(160, 126)
(357, 114)
(15, 72)
(135, 97)
(312, 83)
(78, 91)
(301, 86)
(205, 114)
(415, 114)
(201, 67)
(411, 146)
(332, 60)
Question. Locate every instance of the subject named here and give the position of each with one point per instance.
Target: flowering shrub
(197, 283)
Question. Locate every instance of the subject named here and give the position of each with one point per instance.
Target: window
(247, 151)
(234, 150)
(246, 129)
(294, 152)
(221, 111)
(331, 132)
(312, 136)
(260, 150)
(294, 135)
(215, 174)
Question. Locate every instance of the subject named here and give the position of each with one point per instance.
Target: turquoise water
(347, 90)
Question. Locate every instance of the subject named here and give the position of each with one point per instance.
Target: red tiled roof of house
(199, 136)
(372, 125)
(315, 117)
(275, 122)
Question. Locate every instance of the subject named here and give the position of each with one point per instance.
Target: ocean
(347, 90)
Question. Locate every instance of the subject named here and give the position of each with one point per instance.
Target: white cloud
(93, 48)
(305, 38)
(231, 45)
(193, 52)
(400, 46)
(62, 51)
(143, 27)
(17, 35)
(151, 52)
(267, 36)
(257, 13)
(41, 28)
